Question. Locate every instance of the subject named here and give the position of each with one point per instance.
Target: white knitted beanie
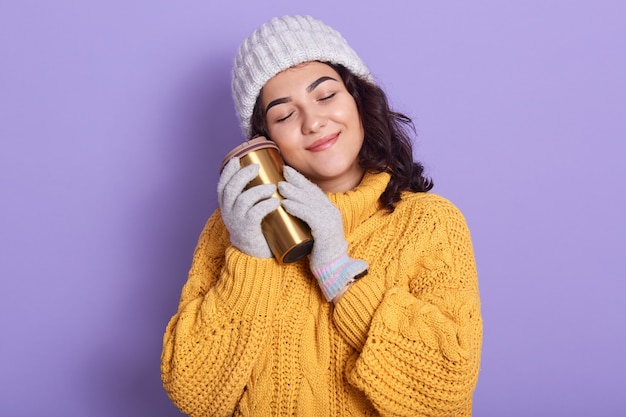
(282, 43)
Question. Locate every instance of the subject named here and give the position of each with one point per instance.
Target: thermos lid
(249, 146)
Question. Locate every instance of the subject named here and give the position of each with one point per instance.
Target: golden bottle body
(288, 237)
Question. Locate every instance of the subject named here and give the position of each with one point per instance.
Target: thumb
(296, 178)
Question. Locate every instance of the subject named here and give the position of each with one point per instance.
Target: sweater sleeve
(211, 343)
(419, 342)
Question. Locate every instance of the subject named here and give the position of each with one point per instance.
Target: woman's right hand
(242, 210)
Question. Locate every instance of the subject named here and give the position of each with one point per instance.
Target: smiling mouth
(323, 143)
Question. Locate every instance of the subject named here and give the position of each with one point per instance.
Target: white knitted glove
(329, 261)
(242, 210)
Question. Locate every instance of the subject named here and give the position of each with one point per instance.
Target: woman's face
(315, 122)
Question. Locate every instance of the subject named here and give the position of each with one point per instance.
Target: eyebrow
(309, 89)
(317, 82)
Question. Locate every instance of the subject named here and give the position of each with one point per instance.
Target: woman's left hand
(330, 262)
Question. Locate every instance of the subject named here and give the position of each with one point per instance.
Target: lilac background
(115, 114)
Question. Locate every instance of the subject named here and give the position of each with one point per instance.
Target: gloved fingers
(325, 222)
(297, 187)
(305, 200)
(250, 198)
(293, 193)
(307, 203)
(299, 210)
(294, 176)
(243, 209)
(258, 212)
(297, 179)
(243, 219)
(232, 186)
(227, 173)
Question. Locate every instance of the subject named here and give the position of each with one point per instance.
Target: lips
(323, 143)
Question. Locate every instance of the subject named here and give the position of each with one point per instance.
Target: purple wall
(115, 115)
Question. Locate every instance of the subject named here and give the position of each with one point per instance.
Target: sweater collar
(361, 202)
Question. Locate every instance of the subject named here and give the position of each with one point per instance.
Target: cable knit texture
(255, 338)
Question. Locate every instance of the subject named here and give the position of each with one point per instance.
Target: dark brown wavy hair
(387, 146)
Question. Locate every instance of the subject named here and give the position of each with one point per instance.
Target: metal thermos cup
(288, 237)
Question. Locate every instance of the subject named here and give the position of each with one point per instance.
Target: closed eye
(282, 119)
(328, 97)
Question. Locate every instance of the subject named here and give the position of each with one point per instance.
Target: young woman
(383, 317)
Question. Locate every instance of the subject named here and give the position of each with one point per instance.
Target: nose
(313, 122)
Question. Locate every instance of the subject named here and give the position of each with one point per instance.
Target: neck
(340, 185)
(343, 183)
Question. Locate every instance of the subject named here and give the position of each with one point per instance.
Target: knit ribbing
(353, 313)
(249, 285)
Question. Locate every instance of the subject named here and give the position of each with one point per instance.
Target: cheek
(285, 140)
(348, 111)
(280, 136)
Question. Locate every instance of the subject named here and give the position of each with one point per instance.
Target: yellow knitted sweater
(255, 338)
